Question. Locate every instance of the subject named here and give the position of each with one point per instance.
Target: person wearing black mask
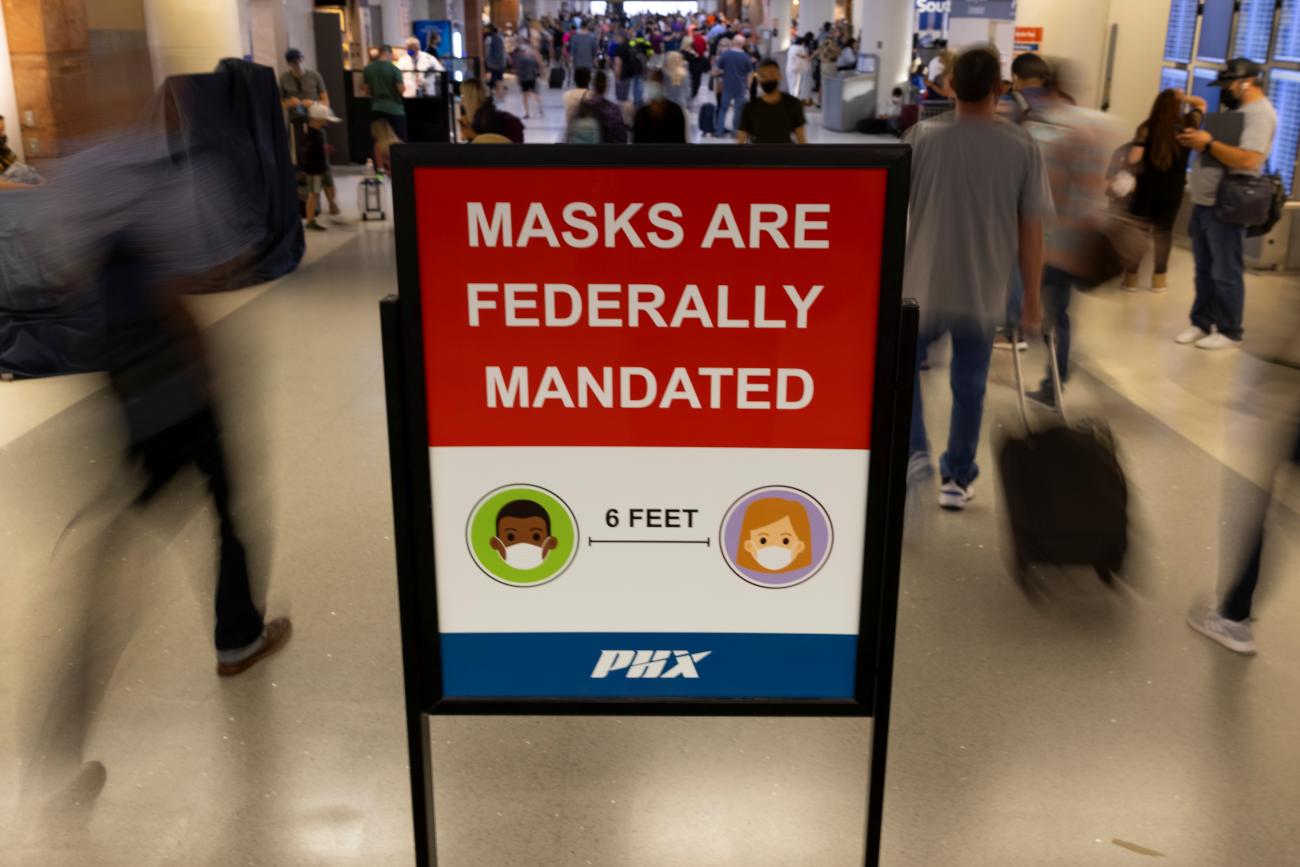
(775, 117)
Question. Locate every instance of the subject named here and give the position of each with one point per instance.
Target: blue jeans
(730, 97)
(1220, 269)
(622, 89)
(1056, 318)
(1015, 302)
(972, 349)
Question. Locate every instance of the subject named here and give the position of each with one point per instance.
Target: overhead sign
(1028, 39)
(1000, 10)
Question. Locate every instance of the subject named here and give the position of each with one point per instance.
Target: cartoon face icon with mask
(775, 536)
(523, 534)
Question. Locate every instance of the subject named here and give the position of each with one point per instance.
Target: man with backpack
(597, 120)
(629, 63)
(494, 58)
(1217, 243)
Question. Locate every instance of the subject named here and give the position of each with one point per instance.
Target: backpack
(634, 61)
(586, 127)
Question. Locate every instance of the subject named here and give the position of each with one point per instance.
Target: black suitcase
(557, 77)
(1065, 492)
(707, 118)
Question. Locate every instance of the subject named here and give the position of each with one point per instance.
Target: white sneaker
(954, 497)
(1191, 335)
(1217, 341)
(1235, 636)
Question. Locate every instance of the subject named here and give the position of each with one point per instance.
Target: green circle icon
(522, 535)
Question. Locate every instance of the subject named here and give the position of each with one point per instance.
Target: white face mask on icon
(774, 559)
(523, 555)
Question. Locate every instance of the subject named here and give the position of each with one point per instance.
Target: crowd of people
(655, 69)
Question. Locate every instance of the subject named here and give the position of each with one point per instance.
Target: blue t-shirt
(736, 66)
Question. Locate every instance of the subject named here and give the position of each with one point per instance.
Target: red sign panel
(1029, 34)
(722, 307)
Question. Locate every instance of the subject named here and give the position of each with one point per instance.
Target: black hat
(1237, 69)
(293, 55)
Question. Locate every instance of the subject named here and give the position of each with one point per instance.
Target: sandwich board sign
(648, 414)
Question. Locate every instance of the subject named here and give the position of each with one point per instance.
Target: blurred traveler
(1070, 139)
(573, 96)
(494, 59)
(582, 48)
(300, 89)
(386, 88)
(980, 193)
(938, 76)
(677, 79)
(659, 121)
(1216, 244)
(14, 174)
(798, 66)
(479, 115)
(848, 59)
(1030, 75)
(1228, 622)
(629, 64)
(735, 68)
(597, 119)
(419, 69)
(529, 68)
(1160, 163)
(315, 157)
(775, 117)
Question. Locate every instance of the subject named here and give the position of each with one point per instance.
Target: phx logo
(649, 664)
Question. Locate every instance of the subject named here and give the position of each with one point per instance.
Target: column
(8, 99)
(885, 28)
(778, 18)
(188, 36)
(504, 12)
(473, 31)
(814, 13)
(49, 49)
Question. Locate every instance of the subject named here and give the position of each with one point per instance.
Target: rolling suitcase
(707, 112)
(1064, 490)
(557, 77)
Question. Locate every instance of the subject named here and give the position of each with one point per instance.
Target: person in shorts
(300, 89)
(315, 158)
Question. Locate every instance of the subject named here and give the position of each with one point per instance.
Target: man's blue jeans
(1056, 318)
(730, 97)
(1015, 303)
(972, 349)
(1220, 269)
(622, 89)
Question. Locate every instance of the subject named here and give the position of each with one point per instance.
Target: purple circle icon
(776, 537)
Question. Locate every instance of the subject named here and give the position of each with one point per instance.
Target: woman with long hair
(1160, 164)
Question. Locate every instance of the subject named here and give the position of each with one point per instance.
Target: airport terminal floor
(1089, 729)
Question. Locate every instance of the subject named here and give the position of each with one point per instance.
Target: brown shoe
(1130, 281)
(1159, 282)
(275, 634)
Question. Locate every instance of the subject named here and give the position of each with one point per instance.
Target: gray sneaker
(1235, 636)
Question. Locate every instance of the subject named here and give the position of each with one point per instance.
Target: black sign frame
(404, 376)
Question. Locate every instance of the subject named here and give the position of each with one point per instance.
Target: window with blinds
(1284, 91)
(1254, 30)
(1173, 78)
(1288, 33)
(1182, 31)
(1216, 27)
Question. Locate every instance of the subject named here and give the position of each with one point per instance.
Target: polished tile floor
(1091, 730)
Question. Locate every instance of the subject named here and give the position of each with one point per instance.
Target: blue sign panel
(1254, 30)
(1284, 90)
(1182, 31)
(434, 36)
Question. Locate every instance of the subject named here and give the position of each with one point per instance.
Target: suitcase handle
(1057, 389)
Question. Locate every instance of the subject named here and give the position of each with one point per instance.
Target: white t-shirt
(935, 69)
(413, 73)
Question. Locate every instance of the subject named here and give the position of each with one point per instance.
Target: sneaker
(1191, 335)
(1235, 636)
(273, 637)
(919, 468)
(1217, 341)
(315, 226)
(1004, 342)
(1044, 397)
(953, 496)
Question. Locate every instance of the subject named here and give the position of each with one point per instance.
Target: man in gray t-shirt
(582, 48)
(1218, 246)
(300, 89)
(980, 193)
